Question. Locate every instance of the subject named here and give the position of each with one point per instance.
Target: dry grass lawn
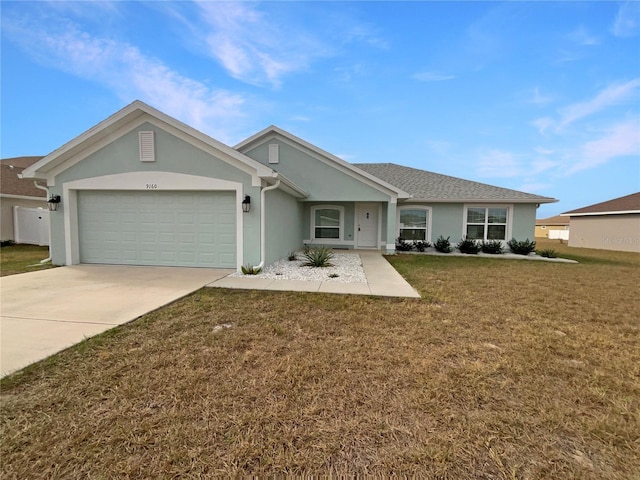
(22, 258)
(504, 370)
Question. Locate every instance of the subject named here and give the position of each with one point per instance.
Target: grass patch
(508, 369)
(22, 258)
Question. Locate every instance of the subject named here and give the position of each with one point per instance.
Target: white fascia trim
(290, 186)
(143, 181)
(593, 214)
(273, 132)
(23, 197)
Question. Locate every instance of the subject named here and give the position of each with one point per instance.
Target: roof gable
(352, 170)
(627, 204)
(435, 187)
(123, 121)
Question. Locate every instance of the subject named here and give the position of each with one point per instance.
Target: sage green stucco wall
(447, 220)
(323, 182)
(284, 223)
(172, 155)
(524, 221)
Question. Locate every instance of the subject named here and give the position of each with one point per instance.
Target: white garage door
(187, 229)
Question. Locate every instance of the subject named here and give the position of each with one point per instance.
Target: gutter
(263, 216)
(48, 259)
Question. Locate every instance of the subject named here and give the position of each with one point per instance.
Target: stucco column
(391, 227)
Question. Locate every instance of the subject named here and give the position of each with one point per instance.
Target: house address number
(152, 186)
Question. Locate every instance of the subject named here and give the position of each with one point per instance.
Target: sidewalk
(382, 280)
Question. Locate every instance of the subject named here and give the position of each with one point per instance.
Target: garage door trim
(142, 181)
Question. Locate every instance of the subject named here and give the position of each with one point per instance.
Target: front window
(413, 224)
(487, 223)
(327, 222)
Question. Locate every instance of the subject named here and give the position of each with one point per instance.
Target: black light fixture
(53, 202)
(246, 204)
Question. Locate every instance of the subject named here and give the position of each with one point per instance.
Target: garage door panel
(157, 228)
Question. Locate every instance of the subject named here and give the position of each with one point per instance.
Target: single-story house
(610, 225)
(20, 196)
(545, 225)
(144, 188)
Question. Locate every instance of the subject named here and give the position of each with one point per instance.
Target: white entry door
(367, 225)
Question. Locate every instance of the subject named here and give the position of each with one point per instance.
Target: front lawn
(505, 369)
(22, 258)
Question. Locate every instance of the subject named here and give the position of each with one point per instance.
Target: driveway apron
(44, 312)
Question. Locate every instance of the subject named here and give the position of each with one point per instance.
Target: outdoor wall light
(53, 202)
(246, 204)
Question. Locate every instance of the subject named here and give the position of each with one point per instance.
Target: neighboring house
(555, 224)
(610, 225)
(143, 188)
(23, 194)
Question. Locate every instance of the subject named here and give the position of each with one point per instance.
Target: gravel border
(347, 267)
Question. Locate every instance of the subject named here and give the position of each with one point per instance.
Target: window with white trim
(327, 222)
(413, 222)
(487, 223)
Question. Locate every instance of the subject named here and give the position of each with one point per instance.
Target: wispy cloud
(253, 46)
(612, 95)
(125, 70)
(538, 98)
(582, 37)
(620, 140)
(497, 163)
(627, 21)
(432, 76)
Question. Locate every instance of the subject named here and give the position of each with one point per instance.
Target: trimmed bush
(492, 246)
(548, 253)
(443, 245)
(468, 246)
(402, 245)
(421, 246)
(522, 247)
(318, 257)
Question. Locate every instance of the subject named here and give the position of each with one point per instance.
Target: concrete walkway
(382, 280)
(44, 312)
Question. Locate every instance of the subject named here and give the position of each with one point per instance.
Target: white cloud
(127, 72)
(542, 124)
(582, 37)
(253, 46)
(431, 77)
(627, 21)
(538, 98)
(499, 164)
(620, 140)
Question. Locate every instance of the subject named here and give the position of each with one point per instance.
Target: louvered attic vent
(274, 153)
(147, 148)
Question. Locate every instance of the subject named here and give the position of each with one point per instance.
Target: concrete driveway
(44, 312)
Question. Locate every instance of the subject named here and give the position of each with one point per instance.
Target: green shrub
(548, 253)
(402, 245)
(249, 269)
(443, 245)
(468, 246)
(7, 243)
(421, 246)
(522, 247)
(492, 246)
(318, 257)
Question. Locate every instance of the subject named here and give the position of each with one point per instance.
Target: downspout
(263, 216)
(48, 259)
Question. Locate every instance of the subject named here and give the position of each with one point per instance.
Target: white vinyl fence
(559, 235)
(31, 225)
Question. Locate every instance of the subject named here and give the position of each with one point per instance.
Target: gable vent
(274, 153)
(147, 148)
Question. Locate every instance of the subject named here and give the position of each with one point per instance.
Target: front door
(367, 225)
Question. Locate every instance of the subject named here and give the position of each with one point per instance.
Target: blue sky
(537, 96)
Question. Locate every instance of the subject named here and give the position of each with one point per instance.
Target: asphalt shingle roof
(10, 184)
(424, 185)
(620, 204)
